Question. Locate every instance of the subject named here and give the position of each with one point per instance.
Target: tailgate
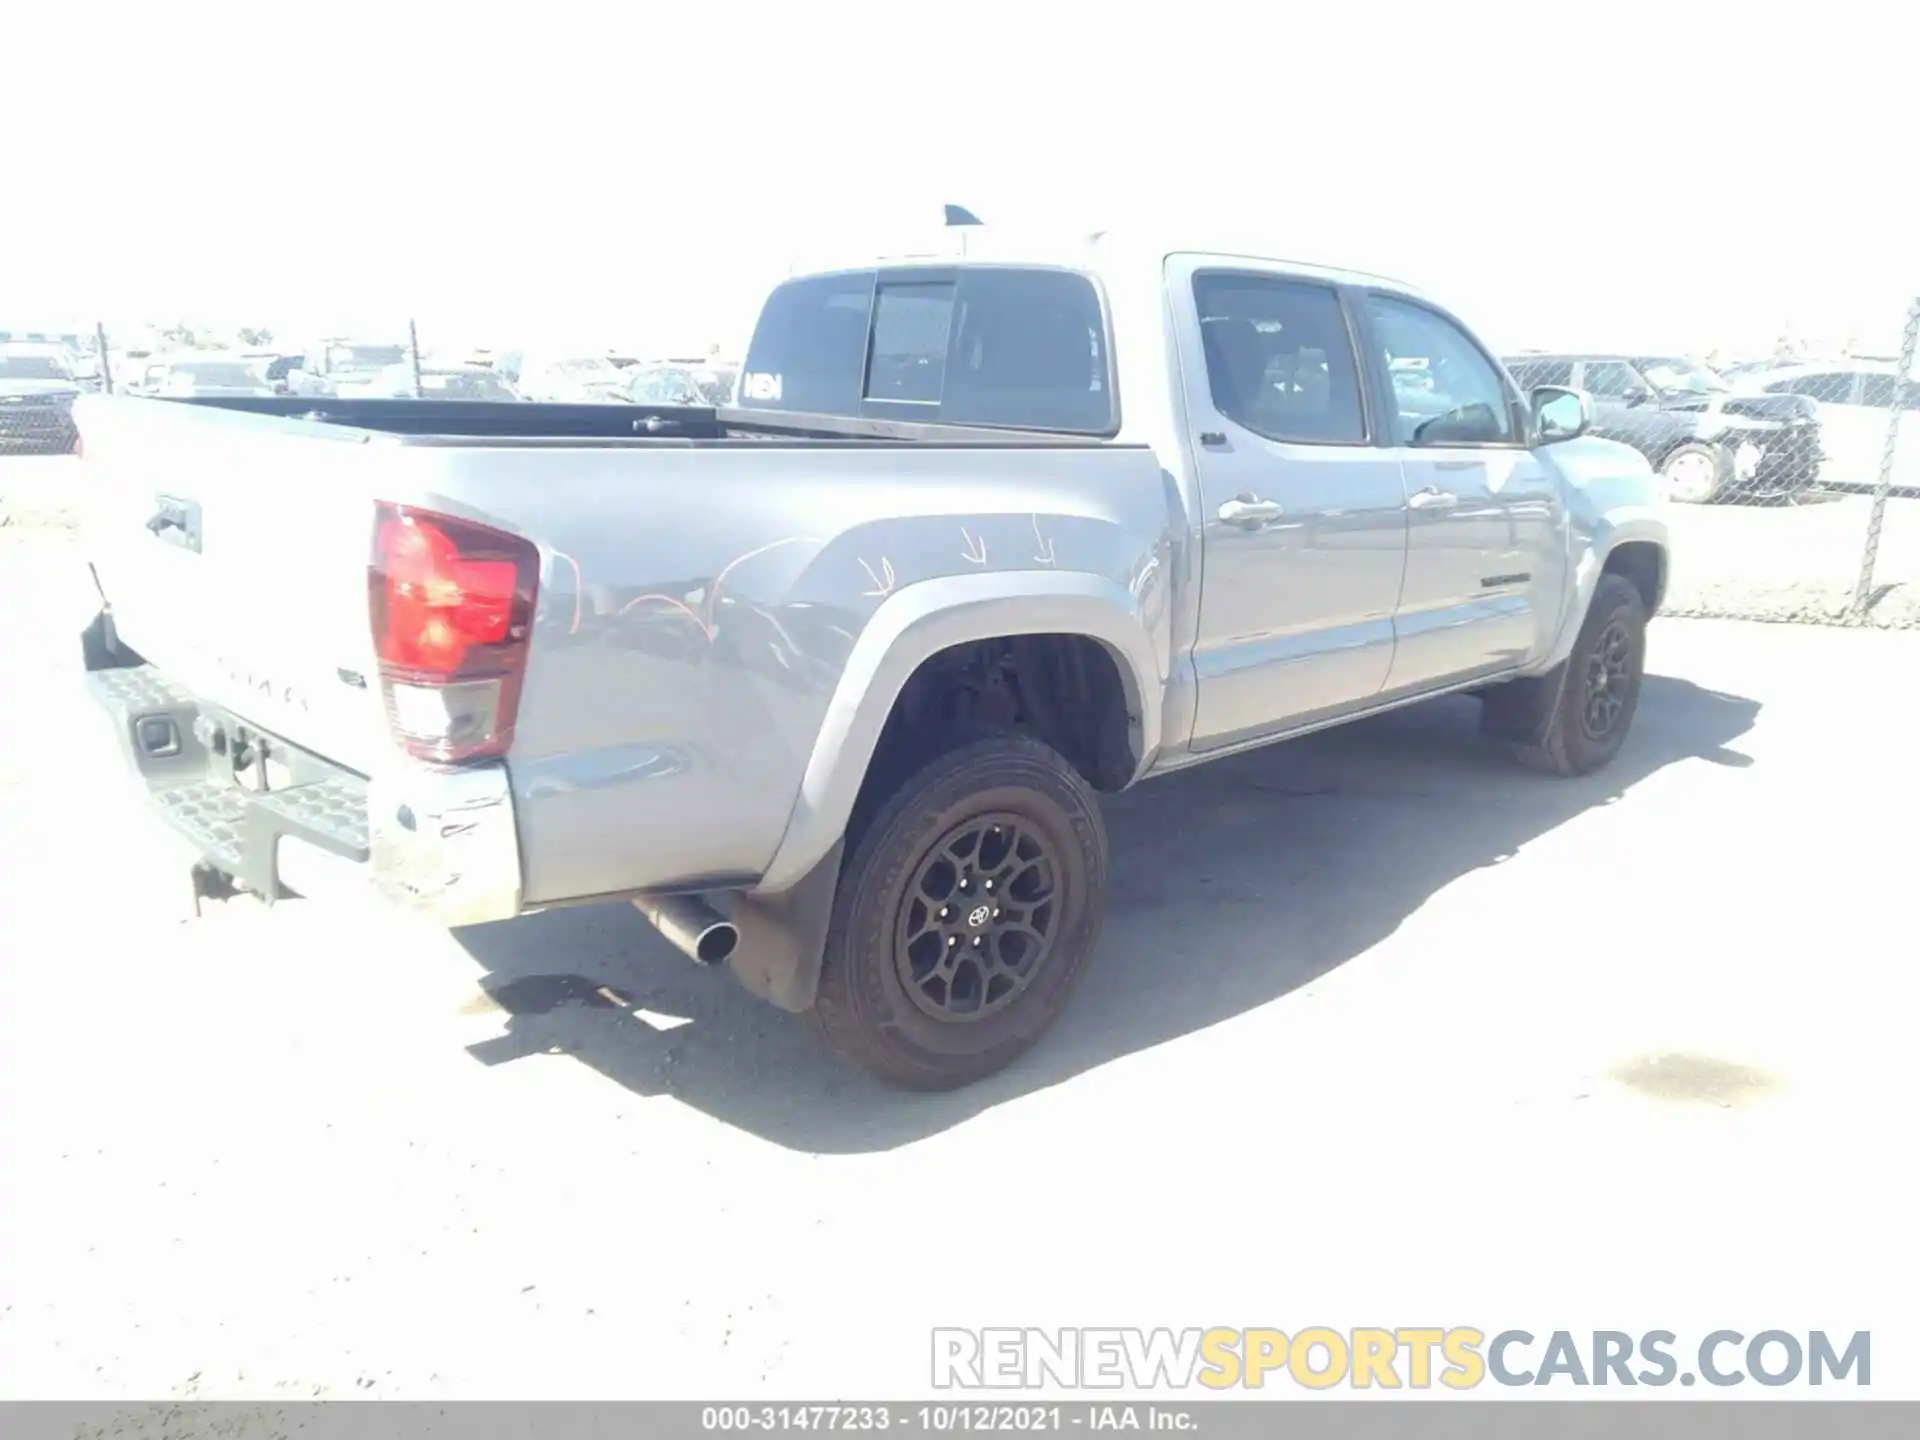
(233, 550)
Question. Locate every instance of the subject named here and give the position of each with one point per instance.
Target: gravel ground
(1384, 1030)
(1795, 563)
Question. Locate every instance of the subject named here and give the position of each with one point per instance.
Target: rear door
(233, 550)
(1486, 528)
(1305, 518)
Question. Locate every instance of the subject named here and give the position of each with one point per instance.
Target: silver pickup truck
(827, 682)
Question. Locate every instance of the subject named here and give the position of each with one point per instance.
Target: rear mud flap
(783, 937)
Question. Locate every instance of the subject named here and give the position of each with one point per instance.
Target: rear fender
(919, 622)
(784, 919)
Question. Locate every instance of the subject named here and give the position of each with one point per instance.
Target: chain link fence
(1793, 479)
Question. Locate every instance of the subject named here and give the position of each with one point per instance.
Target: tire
(889, 999)
(1696, 473)
(1613, 636)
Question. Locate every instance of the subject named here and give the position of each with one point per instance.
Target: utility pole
(100, 346)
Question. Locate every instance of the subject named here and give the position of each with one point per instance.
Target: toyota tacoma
(828, 682)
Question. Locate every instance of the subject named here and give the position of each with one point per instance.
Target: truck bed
(506, 422)
(707, 598)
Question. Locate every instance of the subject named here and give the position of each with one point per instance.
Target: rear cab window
(997, 347)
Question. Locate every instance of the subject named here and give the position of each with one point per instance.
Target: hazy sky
(1600, 174)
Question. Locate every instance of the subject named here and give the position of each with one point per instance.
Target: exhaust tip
(716, 943)
(691, 926)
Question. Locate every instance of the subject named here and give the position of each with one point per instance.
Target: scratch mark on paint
(1045, 555)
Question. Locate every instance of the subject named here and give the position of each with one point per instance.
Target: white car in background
(564, 379)
(1856, 400)
(680, 382)
(202, 374)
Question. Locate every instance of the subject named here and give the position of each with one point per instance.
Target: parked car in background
(200, 374)
(126, 366)
(279, 372)
(680, 383)
(267, 360)
(564, 379)
(441, 382)
(1739, 372)
(343, 366)
(146, 376)
(1709, 441)
(87, 370)
(1855, 400)
(37, 390)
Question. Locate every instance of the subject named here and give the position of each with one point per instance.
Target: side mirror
(1559, 414)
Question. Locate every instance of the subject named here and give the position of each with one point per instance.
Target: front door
(1304, 514)
(1486, 532)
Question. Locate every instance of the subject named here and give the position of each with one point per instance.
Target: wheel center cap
(979, 916)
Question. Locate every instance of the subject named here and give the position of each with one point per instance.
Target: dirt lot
(1384, 1031)
(1795, 562)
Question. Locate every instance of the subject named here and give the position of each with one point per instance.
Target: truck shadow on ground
(1232, 886)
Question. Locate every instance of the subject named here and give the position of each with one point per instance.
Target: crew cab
(828, 683)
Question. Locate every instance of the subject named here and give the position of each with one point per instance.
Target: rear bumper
(439, 843)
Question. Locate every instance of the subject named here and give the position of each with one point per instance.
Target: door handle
(1432, 498)
(1249, 512)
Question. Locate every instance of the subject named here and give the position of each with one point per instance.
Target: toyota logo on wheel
(978, 916)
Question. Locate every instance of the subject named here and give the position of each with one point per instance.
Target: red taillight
(452, 607)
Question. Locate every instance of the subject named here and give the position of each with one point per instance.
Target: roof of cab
(1093, 251)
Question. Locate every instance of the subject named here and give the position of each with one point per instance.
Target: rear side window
(982, 346)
